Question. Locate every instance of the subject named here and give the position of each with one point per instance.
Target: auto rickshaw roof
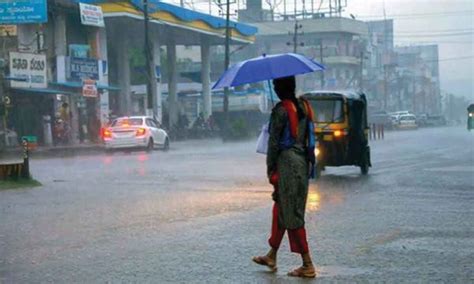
(331, 94)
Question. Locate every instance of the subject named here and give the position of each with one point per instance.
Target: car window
(120, 122)
(151, 123)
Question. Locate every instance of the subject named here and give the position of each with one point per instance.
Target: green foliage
(18, 183)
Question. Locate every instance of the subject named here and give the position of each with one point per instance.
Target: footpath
(52, 151)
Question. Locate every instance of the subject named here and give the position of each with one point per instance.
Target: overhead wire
(417, 15)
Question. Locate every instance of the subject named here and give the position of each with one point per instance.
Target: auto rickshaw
(470, 117)
(341, 129)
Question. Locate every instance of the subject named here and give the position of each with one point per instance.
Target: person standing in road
(289, 161)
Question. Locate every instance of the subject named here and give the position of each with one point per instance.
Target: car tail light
(140, 132)
(107, 133)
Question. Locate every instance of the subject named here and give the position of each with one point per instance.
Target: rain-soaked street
(199, 212)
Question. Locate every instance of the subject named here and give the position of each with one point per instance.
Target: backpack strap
(292, 117)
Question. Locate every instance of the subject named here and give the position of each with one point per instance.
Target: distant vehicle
(407, 121)
(380, 118)
(341, 129)
(135, 132)
(436, 120)
(397, 114)
(401, 112)
(394, 120)
(470, 117)
(422, 119)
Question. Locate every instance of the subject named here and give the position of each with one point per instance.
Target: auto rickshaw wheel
(319, 169)
(364, 167)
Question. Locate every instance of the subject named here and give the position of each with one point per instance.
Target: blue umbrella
(267, 67)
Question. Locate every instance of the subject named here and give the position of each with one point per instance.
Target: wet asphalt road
(200, 211)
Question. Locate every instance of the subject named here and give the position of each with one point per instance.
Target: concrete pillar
(60, 42)
(206, 77)
(156, 86)
(103, 75)
(172, 83)
(60, 46)
(123, 75)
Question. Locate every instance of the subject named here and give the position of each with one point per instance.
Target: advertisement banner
(23, 11)
(8, 30)
(89, 88)
(31, 68)
(83, 68)
(91, 15)
(79, 50)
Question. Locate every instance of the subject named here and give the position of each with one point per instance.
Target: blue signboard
(83, 68)
(23, 11)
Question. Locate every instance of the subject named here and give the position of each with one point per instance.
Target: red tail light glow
(140, 132)
(107, 133)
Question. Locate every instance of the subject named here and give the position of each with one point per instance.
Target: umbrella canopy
(267, 67)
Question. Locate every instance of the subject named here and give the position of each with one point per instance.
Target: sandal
(303, 272)
(265, 260)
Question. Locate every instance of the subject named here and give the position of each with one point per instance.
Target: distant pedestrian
(65, 112)
(288, 170)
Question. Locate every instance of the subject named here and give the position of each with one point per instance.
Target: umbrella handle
(271, 94)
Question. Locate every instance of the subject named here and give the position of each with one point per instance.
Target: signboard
(79, 50)
(91, 15)
(83, 68)
(29, 67)
(8, 30)
(89, 88)
(23, 11)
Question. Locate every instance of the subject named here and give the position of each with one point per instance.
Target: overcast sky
(448, 23)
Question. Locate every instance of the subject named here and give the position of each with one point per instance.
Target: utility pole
(3, 107)
(295, 37)
(227, 58)
(149, 63)
(361, 75)
(385, 86)
(321, 61)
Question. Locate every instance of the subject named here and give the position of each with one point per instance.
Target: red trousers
(297, 237)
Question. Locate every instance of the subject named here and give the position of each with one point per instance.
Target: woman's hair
(285, 89)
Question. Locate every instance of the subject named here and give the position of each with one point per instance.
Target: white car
(135, 132)
(407, 121)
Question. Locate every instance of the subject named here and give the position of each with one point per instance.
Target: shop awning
(169, 14)
(11, 78)
(47, 91)
(79, 85)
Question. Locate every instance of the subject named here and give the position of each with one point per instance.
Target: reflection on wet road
(199, 212)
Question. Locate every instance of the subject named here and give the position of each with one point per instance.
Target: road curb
(66, 151)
